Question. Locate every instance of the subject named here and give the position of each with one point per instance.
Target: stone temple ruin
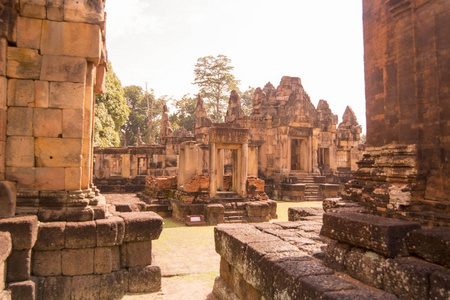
(388, 236)
(297, 149)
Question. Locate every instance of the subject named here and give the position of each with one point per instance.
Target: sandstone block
(72, 264)
(432, 244)
(335, 255)
(20, 92)
(23, 231)
(55, 10)
(57, 152)
(49, 179)
(84, 11)
(85, 287)
(3, 93)
(257, 209)
(315, 287)
(20, 121)
(42, 93)
(71, 39)
(3, 122)
(81, 234)
(72, 123)
(8, 195)
(3, 47)
(214, 214)
(20, 151)
(110, 231)
(112, 286)
(24, 176)
(29, 33)
(51, 236)
(53, 287)
(24, 290)
(33, 8)
(47, 122)
(144, 279)
(440, 285)
(5, 250)
(359, 293)
(102, 260)
(382, 235)
(366, 266)
(23, 63)
(66, 95)
(115, 258)
(47, 263)
(63, 68)
(72, 179)
(18, 265)
(141, 226)
(136, 254)
(100, 82)
(408, 278)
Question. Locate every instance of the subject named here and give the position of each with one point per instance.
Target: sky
(320, 41)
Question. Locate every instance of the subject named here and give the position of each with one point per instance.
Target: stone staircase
(234, 205)
(311, 187)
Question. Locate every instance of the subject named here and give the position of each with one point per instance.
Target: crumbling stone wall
(406, 171)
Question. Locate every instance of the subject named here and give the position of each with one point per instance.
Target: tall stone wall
(406, 169)
(407, 62)
(52, 61)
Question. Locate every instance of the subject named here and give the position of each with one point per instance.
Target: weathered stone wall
(408, 84)
(52, 61)
(405, 171)
(125, 169)
(102, 259)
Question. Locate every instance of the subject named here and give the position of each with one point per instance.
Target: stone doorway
(299, 154)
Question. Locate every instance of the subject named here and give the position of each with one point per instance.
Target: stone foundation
(43, 260)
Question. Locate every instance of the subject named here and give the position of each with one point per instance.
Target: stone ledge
(382, 235)
(431, 244)
(141, 226)
(23, 231)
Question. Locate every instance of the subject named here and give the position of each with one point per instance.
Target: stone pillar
(212, 170)
(221, 169)
(48, 60)
(243, 171)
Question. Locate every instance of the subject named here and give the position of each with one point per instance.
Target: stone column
(243, 170)
(48, 60)
(221, 169)
(212, 170)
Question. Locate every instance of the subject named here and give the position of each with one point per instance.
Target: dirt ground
(187, 257)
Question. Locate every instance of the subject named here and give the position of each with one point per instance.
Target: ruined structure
(405, 172)
(377, 233)
(57, 240)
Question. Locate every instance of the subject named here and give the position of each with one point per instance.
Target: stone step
(226, 194)
(234, 213)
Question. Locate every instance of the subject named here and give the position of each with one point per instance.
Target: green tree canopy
(145, 112)
(215, 80)
(184, 116)
(111, 112)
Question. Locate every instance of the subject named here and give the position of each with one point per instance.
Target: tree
(184, 116)
(145, 112)
(111, 112)
(215, 80)
(247, 100)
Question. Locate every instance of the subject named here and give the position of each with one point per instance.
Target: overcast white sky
(320, 41)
